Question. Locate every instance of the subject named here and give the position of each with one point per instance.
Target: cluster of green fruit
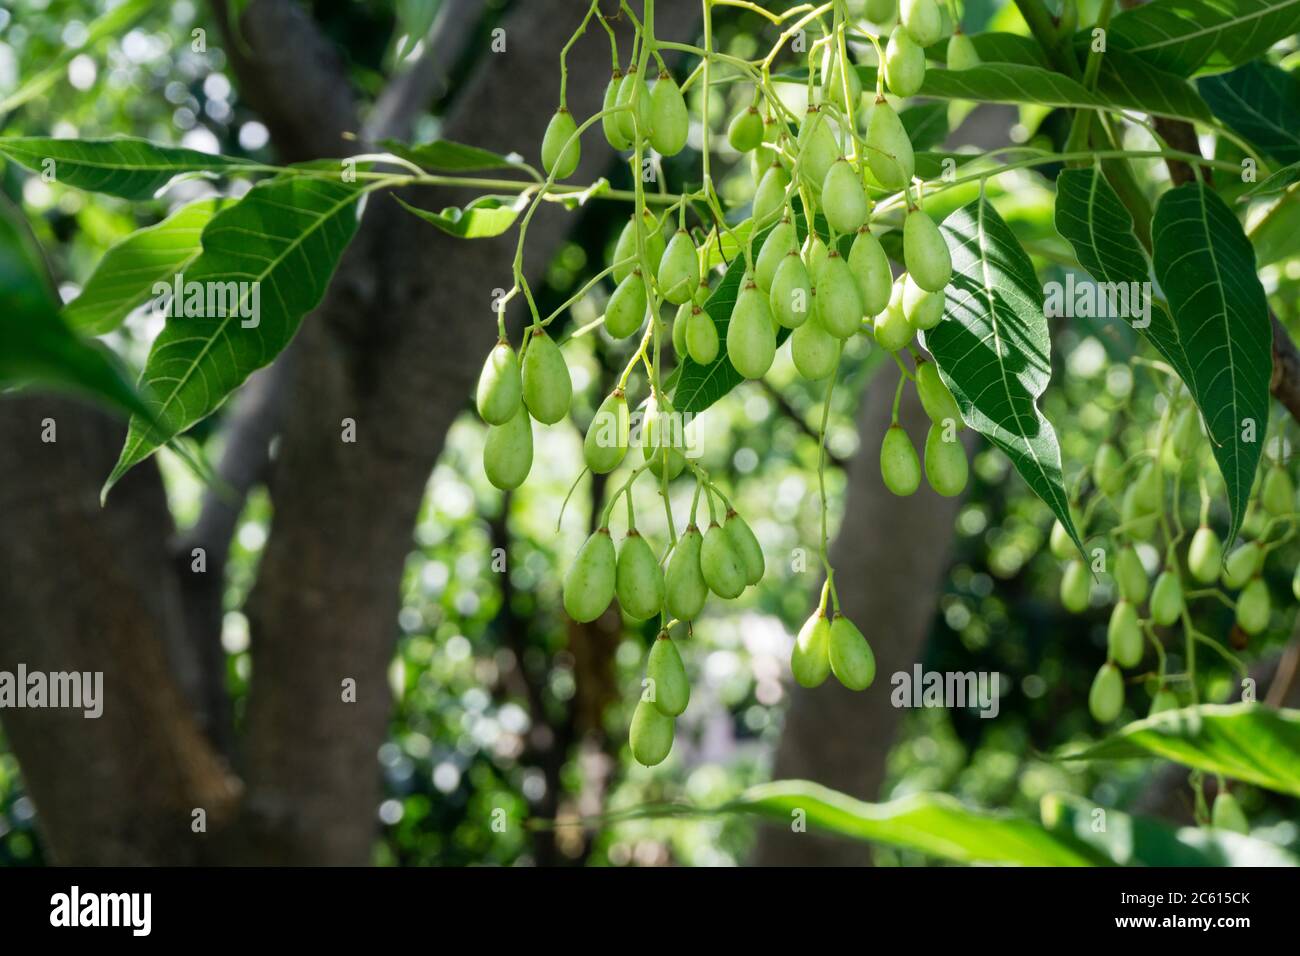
(1198, 572)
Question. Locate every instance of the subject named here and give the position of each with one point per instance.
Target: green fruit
(625, 250)
(627, 306)
(1242, 565)
(926, 254)
(547, 387)
(814, 254)
(1164, 700)
(769, 198)
(702, 292)
(779, 243)
(669, 122)
(1106, 698)
(839, 308)
(589, 583)
(632, 92)
(892, 329)
(701, 336)
(639, 581)
(679, 269)
(904, 64)
(818, 149)
(685, 590)
(961, 52)
(851, 659)
(921, 18)
(1139, 521)
(899, 466)
(1295, 583)
(844, 201)
(609, 122)
(1124, 635)
(605, 444)
(558, 159)
(880, 11)
(508, 451)
(1108, 469)
(870, 268)
(1130, 576)
(1187, 432)
(651, 735)
(814, 350)
(1060, 543)
(751, 340)
(1278, 493)
(500, 388)
(1253, 606)
(923, 309)
(767, 152)
(1167, 598)
(1076, 587)
(661, 440)
(1205, 556)
(672, 691)
(834, 82)
(723, 569)
(1226, 814)
(746, 131)
(889, 151)
(1149, 489)
(810, 662)
(679, 329)
(945, 463)
(746, 545)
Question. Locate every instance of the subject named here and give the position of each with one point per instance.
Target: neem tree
(845, 180)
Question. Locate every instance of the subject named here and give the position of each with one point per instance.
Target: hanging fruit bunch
(808, 265)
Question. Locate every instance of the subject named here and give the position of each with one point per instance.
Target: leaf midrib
(1217, 28)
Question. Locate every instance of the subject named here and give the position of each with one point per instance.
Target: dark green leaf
(444, 156)
(483, 218)
(1279, 182)
(1260, 102)
(926, 124)
(995, 47)
(1126, 78)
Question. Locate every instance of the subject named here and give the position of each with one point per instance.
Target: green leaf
(1279, 182)
(926, 124)
(993, 349)
(1261, 102)
(414, 17)
(1128, 78)
(126, 167)
(996, 47)
(444, 156)
(1138, 841)
(284, 240)
(1206, 267)
(1187, 36)
(35, 344)
(483, 218)
(125, 277)
(935, 824)
(1248, 742)
(113, 23)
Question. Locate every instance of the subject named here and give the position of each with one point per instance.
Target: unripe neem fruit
(1242, 565)
(639, 581)
(1295, 583)
(850, 655)
(508, 451)
(923, 309)
(844, 201)
(651, 734)
(1138, 519)
(1167, 598)
(1108, 469)
(1106, 697)
(818, 149)
(791, 296)
(1187, 432)
(814, 350)
(810, 662)
(746, 545)
(685, 589)
(557, 159)
(701, 336)
(605, 444)
(751, 340)
(946, 467)
(778, 244)
(1130, 576)
(500, 387)
(870, 268)
(962, 54)
(679, 269)
(680, 321)
(926, 254)
(609, 122)
(1076, 587)
(1253, 606)
(660, 445)
(632, 91)
(669, 121)
(1059, 542)
(546, 384)
(889, 150)
(1124, 635)
(839, 308)
(892, 330)
(881, 11)
(922, 19)
(1149, 489)
(590, 581)
(1277, 494)
(814, 254)
(937, 400)
(1226, 814)
(746, 130)
(899, 466)
(834, 82)
(625, 249)
(770, 195)
(672, 690)
(1205, 556)
(721, 565)
(627, 306)
(904, 64)
(1165, 699)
